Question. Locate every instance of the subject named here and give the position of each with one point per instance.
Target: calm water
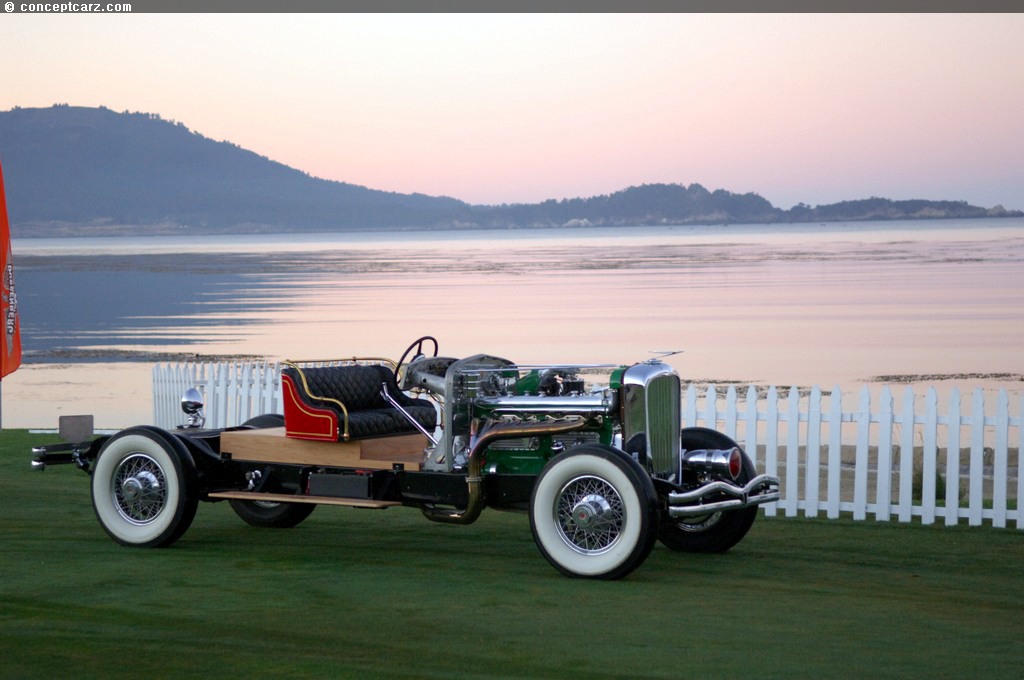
(822, 304)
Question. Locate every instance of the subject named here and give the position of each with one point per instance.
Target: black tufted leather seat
(358, 389)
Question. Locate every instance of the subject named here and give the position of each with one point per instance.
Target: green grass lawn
(360, 593)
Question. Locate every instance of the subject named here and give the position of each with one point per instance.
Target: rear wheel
(272, 515)
(594, 513)
(142, 488)
(717, 531)
(264, 421)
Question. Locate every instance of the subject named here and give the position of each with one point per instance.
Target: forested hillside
(78, 170)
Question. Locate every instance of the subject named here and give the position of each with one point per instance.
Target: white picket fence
(874, 460)
(234, 392)
(868, 461)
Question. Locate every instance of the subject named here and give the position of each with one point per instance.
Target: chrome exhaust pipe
(38, 459)
(759, 490)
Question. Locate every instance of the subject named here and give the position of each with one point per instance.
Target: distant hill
(97, 169)
(77, 170)
(650, 204)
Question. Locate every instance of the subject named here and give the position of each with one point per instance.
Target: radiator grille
(663, 422)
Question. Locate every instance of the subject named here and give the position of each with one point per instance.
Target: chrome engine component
(482, 390)
(492, 402)
(599, 404)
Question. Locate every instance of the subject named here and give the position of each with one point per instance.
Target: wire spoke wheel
(594, 513)
(590, 514)
(143, 487)
(139, 489)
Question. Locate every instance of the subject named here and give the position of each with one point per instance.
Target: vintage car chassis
(604, 471)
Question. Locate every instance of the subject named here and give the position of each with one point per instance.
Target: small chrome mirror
(191, 401)
(192, 404)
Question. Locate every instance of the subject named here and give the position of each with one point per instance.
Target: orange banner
(10, 345)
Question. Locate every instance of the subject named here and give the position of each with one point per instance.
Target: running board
(289, 498)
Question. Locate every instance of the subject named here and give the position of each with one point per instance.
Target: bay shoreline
(858, 305)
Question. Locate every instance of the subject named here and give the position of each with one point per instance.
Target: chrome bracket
(415, 423)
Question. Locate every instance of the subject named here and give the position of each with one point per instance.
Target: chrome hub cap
(589, 514)
(139, 489)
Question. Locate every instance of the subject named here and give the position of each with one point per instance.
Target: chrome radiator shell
(651, 416)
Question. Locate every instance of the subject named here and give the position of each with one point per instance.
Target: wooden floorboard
(289, 498)
(272, 446)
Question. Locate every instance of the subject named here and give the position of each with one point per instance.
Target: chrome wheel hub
(592, 512)
(139, 489)
(589, 514)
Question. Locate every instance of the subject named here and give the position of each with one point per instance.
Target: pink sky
(522, 108)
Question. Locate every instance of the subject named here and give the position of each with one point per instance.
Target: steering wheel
(418, 346)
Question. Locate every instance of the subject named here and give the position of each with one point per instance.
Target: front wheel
(717, 531)
(594, 513)
(142, 488)
(272, 515)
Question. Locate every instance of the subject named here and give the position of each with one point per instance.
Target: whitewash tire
(142, 488)
(614, 541)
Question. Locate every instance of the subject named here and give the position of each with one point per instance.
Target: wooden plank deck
(272, 446)
(294, 498)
